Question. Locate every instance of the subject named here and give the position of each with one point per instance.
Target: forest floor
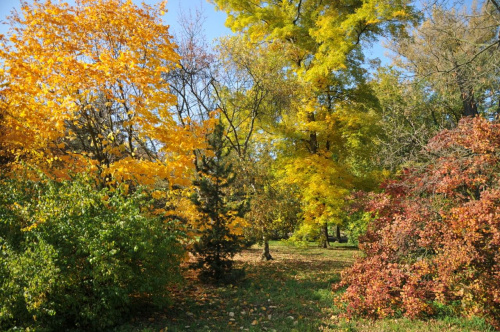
(290, 293)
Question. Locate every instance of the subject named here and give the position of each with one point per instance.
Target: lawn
(290, 293)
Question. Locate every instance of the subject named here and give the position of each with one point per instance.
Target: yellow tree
(328, 131)
(83, 89)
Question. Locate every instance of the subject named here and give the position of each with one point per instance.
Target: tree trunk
(324, 237)
(338, 234)
(313, 137)
(266, 256)
(497, 116)
(470, 106)
(467, 94)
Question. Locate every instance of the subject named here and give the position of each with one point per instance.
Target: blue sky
(214, 24)
(214, 20)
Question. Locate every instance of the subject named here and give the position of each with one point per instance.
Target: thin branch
(298, 13)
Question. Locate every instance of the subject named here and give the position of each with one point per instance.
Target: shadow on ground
(290, 293)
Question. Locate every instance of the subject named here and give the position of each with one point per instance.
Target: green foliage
(356, 226)
(410, 118)
(304, 234)
(74, 256)
(274, 208)
(221, 213)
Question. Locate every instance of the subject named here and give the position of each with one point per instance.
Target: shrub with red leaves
(435, 239)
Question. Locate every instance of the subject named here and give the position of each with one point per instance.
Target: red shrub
(436, 237)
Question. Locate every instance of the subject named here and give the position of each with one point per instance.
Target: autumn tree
(409, 117)
(256, 93)
(248, 87)
(434, 242)
(192, 81)
(85, 89)
(325, 131)
(5, 155)
(319, 35)
(444, 68)
(454, 53)
(274, 207)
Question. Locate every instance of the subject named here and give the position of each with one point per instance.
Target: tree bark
(470, 106)
(497, 116)
(324, 236)
(266, 255)
(467, 94)
(338, 234)
(313, 137)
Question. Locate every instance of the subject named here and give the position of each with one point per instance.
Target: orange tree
(83, 87)
(435, 242)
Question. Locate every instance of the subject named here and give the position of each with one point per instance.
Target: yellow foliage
(323, 185)
(67, 70)
(320, 33)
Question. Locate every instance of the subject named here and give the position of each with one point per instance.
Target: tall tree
(409, 117)
(253, 96)
(319, 35)
(327, 131)
(192, 81)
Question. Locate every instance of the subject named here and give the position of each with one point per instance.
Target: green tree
(409, 117)
(248, 87)
(253, 93)
(274, 207)
(221, 212)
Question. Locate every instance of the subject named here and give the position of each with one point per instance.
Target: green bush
(356, 225)
(74, 257)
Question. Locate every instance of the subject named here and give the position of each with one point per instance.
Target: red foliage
(436, 237)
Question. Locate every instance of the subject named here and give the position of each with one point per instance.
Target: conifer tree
(220, 210)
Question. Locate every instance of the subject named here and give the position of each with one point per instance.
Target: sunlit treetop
(85, 80)
(320, 34)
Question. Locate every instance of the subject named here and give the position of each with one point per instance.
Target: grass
(290, 293)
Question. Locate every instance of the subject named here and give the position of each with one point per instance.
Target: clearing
(290, 293)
